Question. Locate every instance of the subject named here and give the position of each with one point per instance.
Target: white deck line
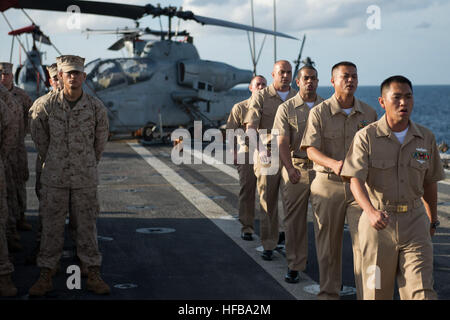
(276, 268)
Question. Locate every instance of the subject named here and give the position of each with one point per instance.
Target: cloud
(293, 16)
(298, 16)
(423, 25)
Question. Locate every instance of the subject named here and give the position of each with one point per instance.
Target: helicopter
(164, 84)
(32, 76)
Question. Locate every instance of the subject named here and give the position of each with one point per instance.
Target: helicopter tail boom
(210, 75)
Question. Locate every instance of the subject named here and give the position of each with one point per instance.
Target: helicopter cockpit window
(107, 75)
(29, 74)
(137, 70)
(90, 66)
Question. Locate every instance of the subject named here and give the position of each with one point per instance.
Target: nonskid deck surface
(170, 232)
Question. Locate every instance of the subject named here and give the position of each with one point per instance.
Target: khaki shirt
(236, 121)
(69, 141)
(25, 101)
(262, 108)
(290, 120)
(237, 115)
(394, 173)
(331, 131)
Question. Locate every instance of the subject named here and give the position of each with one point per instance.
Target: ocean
(431, 106)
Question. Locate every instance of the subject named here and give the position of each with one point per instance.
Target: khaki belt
(302, 160)
(332, 176)
(401, 207)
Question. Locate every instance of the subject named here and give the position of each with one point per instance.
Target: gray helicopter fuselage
(169, 83)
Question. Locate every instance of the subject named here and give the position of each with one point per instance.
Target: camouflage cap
(70, 63)
(6, 67)
(52, 70)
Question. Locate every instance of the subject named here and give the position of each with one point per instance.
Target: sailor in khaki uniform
(263, 106)
(394, 166)
(247, 178)
(23, 174)
(329, 132)
(297, 173)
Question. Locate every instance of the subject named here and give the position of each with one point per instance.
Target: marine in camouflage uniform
(7, 141)
(12, 169)
(70, 136)
(57, 85)
(25, 101)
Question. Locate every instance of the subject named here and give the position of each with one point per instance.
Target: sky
(383, 38)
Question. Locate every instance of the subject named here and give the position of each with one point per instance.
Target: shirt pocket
(86, 122)
(416, 174)
(57, 126)
(383, 173)
(293, 122)
(301, 124)
(332, 143)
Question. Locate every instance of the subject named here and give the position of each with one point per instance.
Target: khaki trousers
(56, 203)
(402, 251)
(332, 201)
(296, 198)
(247, 181)
(268, 188)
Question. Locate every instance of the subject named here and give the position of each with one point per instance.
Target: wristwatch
(435, 224)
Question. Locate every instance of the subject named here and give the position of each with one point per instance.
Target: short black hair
(343, 63)
(306, 67)
(258, 76)
(398, 79)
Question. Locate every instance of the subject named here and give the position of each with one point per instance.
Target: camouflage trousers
(37, 189)
(16, 172)
(12, 201)
(17, 204)
(6, 267)
(55, 204)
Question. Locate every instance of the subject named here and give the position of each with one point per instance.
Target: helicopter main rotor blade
(112, 31)
(135, 31)
(128, 11)
(42, 38)
(233, 25)
(93, 7)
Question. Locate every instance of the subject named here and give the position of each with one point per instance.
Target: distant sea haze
(431, 106)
